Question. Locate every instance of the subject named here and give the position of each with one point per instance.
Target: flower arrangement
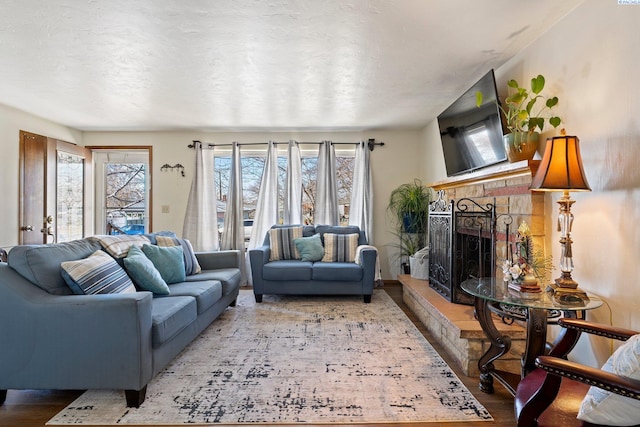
(526, 266)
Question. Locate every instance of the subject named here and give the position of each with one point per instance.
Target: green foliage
(519, 109)
(409, 209)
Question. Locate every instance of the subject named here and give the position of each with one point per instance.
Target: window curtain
(293, 186)
(266, 213)
(200, 220)
(361, 208)
(326, 203)
(233, 234)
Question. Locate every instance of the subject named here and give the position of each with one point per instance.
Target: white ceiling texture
(256, 64)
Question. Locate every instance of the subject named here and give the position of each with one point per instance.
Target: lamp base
(568, 295)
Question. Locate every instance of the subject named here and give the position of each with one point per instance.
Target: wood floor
(33, 408)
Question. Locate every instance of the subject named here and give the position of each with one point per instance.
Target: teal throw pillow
(168, 260)
(99, 273)
(310, 248)
(143, 273)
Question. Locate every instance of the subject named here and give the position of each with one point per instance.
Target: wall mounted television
(471, 135)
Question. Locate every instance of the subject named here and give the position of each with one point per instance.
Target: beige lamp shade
(561, 166)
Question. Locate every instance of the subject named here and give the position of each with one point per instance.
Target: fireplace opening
(462, 245)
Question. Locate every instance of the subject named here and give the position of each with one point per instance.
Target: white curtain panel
(361, 210)
(233, 234)
(267, 205)
(200, 220)
(326, 203)
(293, 186)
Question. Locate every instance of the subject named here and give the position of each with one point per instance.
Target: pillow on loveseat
(310, 248)
(604, 407)
(96, 274)
(281, 243)
(340, 247)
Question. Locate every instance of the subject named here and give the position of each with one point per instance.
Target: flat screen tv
(472, 135)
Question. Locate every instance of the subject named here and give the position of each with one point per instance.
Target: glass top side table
(533, 308)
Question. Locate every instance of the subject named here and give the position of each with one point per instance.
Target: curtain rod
(371, 143)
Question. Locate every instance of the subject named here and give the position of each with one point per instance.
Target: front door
(54, 202)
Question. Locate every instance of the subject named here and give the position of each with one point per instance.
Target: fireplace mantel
(500, 171)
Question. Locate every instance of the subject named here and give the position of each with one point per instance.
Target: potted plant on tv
(526, 111)
(409, 207)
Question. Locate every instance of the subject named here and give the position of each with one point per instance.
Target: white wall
(392, 165)
(591, 61)
(12, 121)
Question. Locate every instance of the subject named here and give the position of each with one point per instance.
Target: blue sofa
(297, 277)
(53, 339)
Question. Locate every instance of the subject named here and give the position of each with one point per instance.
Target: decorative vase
(521, 145)
(527, 284)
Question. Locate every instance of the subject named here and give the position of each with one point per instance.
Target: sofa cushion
(206, 292)
(168, 260)
(600, 406)
(118, 246)
(40, 264)
(143, 273)
(229, 277)
(169, 316)
(191, 265)
(337, 271)
(287, 270)
(310, 248)
(97, 274)
(340, 247)
(281, 243)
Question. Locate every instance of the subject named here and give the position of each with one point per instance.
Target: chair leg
(3, 396)
(135, 397)
(367, 299)
(258, 297)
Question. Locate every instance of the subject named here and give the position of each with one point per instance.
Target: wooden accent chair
(552, 393)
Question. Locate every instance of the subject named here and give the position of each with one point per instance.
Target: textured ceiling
(255, 64)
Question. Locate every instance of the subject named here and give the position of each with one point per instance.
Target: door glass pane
(125, 198)
(70, 197)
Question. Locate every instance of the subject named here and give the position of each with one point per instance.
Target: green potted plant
(526, 111)
(409, 208)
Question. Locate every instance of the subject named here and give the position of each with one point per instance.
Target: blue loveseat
(298, 277)
(53, 339)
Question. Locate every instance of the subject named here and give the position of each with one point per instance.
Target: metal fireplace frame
(462, 244)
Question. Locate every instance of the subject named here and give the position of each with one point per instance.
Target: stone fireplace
(473, 221)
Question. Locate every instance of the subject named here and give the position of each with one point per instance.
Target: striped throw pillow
(97, 274)
(118, 245)
(281, 242)
(340, 247)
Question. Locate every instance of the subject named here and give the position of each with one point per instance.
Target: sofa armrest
(258, 257)
(72, 341)
(368, 258)
(219, 259)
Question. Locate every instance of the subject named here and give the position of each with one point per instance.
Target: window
(122, 191)
(252, 163)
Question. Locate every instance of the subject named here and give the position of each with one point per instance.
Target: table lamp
(561, 170)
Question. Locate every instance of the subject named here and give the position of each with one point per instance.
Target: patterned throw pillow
(604, 407)
(191, 265)
(340, 247)
(168, 260)
(310, 248)
(143, 273)
(96, 274)
(281, 242)
(118, 245)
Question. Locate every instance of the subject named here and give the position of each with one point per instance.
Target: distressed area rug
(296, 360)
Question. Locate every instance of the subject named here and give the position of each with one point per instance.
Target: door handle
(26, 228)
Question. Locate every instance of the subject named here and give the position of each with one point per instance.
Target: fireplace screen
(462, 237)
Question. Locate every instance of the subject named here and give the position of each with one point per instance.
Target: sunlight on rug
(296, 360)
